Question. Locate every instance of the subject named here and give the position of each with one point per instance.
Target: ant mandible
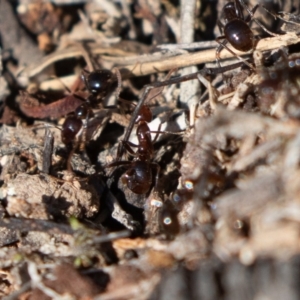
(236, 29)
(138, 177)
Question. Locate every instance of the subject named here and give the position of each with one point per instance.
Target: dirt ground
(133, 165)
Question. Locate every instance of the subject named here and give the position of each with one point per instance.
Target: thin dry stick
(133, 65)
(206, 56)
(189, 89)
(189, 46)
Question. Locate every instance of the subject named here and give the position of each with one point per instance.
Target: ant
(236, 29)
(138, 177)
(98, 83)
(175, 80)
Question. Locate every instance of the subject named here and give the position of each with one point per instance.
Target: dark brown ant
(74, 129)
(236, 30)
(99, 83)
(138, 177)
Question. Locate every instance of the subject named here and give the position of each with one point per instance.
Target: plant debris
(142, 156)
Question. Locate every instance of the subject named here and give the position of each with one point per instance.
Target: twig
(206, 56)
(188, 90)
(48, 150)
(132, 65)
(189, 46)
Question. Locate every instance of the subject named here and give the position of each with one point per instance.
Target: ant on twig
(236, 29)
(138, 177)
(174, 80)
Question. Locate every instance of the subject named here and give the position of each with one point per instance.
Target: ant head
(98, 81)
(145, 114)
(228, 12)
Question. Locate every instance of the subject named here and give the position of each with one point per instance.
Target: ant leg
(220, 26)
(127, 145)
(157, 167)
(118, 164)
(238, 9)
(157, 133)
(220, 48)
(158, 90)
(168, 132)
(283, 13)
(223, 45)
(251, 13)
(83, 76)
(73, 89)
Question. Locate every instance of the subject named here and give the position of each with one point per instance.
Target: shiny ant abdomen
(236, 29)
(138, 177)
(239, 35)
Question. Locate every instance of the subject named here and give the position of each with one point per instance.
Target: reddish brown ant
(236, 29)
(174, 80)
(138, 177)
